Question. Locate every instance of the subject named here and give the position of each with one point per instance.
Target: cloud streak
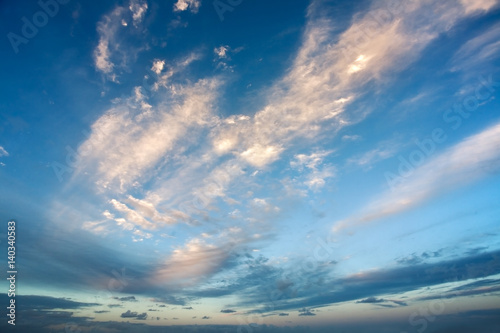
(472, 159)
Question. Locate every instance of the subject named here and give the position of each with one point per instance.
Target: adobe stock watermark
(30, 27)
(223, 6)
(454, 117)
(421, 318)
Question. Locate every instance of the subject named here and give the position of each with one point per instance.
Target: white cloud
(312, 166)
(472, 6)
(121, 222)
(126, 146)
(3, 152)
(216, 183)
(265, 206)
(190, 264)
(311, 161)
(107, 29)
(101, 55)
(142, 234)
(259, 155)
(135, 142)
(351, 137)
(473, 158)
(477, 51)
(158, 66)
(317, 179)
(328, 72)
(138, 9)
(148, 210)
(221, 51)
(192, 5)
(97, 227)
(171, 70)
(132, 215)
(114, 49)
(384, 151)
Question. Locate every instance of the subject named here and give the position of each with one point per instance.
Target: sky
(251, 166)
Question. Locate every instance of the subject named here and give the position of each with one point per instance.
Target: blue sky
(252, 165)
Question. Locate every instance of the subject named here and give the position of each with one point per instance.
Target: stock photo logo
(250, 166)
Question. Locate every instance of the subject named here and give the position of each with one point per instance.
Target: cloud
(139, 212)
(384, 151)
(327, 74)
(39, 303)
(166, 72)
(124, 145)
(472, 6)
(411, 260)
(158, 66)
(354, 137)
(371, 300)
(317, 173)
(306, 312)
(115, 36)
(177, 140)
(115, 306)
(260, 155)
(283, 314)
(138, 316)
(311, 161)
(481, 287)
(126, 299)
(183, 5)
(221, 51)
(3, 152)
(379, 301)
(463, 163)
(138, 9)
(476, 52)
(132, 215)
(191, 263)
(135, 142)
(222, 56)
(107, 29)
(205, 317)
(142, 316)
(228, 311)
(375, 285)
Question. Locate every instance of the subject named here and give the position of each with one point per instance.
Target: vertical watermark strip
(11, 271)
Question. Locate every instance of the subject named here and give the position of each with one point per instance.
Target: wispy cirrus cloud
(190, 264)
(138, 9)
(312, 169)
(131, 138)
(469, 160)
(3, 152)
(324, 77)
(477, 51)
(383, 151)
(175, 138)
(113, 50)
